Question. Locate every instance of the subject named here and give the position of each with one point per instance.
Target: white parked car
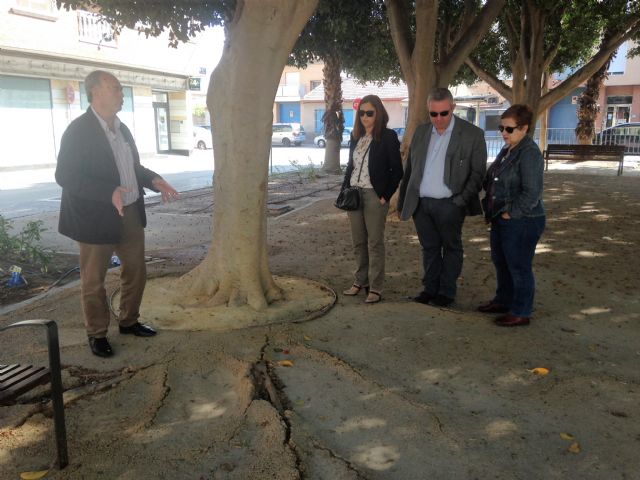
(287, 134)
(202, 138)
(346, 138)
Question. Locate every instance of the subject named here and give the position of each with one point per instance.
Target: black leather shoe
(512, 321)
(441, 301)
(423, 297)
(139, 330)
(100, 347)
(491, 307)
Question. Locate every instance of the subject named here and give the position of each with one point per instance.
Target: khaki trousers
(94, 262)
(367, 234)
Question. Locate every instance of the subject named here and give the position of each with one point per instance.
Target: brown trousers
(367, 234)
(94, 262)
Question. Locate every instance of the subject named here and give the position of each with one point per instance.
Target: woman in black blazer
(376, 167)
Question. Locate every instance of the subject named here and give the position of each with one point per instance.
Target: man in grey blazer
(442, 179)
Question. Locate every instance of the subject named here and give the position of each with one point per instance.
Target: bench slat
(18, 379)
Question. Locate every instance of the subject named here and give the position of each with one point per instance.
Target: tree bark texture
(588, 102)
(235, 271)
(333, 118)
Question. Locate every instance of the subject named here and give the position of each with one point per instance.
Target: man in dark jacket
(102, 208)
(442, 178)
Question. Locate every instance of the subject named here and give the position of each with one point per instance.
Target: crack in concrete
(268, 387)
(334, 455)
(166, 389)
(383, 389)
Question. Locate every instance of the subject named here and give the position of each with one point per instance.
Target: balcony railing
(93, 29)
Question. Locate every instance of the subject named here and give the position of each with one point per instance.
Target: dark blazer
(88, 175)
(385, 164)
(464, 169)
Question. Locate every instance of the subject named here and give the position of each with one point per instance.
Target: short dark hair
(521, 113)
(92, 81)
(439, 93)
(382, 118)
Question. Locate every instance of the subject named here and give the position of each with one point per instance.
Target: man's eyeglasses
(509, 130)
(368, 113)
(442, 114)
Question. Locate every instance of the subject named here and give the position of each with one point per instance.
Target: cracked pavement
(392, 391)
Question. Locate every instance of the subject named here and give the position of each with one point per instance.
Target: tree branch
(502, 88)
(401, 36)
(470, 38)
(587, 70)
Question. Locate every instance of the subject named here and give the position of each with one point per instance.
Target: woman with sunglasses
(375, 166)
(513, 205)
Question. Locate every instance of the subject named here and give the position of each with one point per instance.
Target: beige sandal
(355, 290)
(373, 297)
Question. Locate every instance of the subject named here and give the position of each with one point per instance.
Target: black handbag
(349, 197)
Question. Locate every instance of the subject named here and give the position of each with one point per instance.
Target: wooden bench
(16, 379)
(584, 153)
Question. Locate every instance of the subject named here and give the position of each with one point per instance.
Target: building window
(42, 9)
(315, 83)
(620, 100)
(92, 28)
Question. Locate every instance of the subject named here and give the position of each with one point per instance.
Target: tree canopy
(534, 37)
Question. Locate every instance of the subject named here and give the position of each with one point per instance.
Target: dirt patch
(61, 270)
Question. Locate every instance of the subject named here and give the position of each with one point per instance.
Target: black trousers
(439, 222)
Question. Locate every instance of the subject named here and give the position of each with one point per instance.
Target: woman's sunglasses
(509, 130)
(442, 114)
(368, 113)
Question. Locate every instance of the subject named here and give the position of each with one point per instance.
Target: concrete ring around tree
(304, 300)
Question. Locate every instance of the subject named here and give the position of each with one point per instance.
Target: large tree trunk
(333, 117)
(241, 93)
(588, 102)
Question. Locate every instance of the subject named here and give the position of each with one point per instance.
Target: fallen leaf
(574, 448)
(540, 371)
(285, 363)
(307, 338)
(33, 475)
(566, 436)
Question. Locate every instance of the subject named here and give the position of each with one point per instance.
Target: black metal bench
(17, 379)
(584, 153)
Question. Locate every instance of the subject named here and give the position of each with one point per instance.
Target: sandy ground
(395, 390)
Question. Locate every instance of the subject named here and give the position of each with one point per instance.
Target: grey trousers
(367, 234)
(94, 262)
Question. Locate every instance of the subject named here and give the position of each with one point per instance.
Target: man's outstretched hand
(167, 192)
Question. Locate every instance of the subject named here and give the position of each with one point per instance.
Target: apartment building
(46, 53)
